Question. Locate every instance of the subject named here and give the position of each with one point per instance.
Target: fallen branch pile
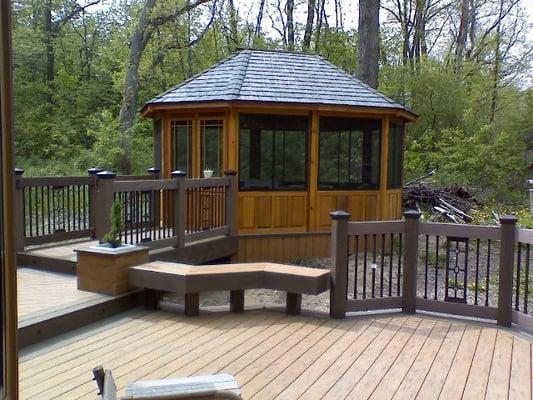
(452, 203)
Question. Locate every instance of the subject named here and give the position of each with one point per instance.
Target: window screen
(273, 152)
(211, 134)
(182, 146)
(349, 153)
(395, 157)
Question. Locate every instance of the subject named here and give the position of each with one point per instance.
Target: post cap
(230, 172)
(18, 171)
(153, 170)
(178, 174)
(94, 170)
(339, 215)
(414, 214)
(106, 174)
(530, 181)
(508, 220)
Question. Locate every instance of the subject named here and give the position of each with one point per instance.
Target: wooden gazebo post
(383, 170)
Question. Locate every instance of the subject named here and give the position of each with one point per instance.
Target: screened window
(273, 152)
(349, 153)
(395, 157)
(211, 139)
(181, 132)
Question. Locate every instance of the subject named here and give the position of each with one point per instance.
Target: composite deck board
(274, 356)
(397, 371)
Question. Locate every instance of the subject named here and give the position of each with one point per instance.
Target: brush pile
(452, 203)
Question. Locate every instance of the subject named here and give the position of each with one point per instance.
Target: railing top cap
(339, 215)
(106, 174)
(412, 214)
(508, 219)
(94, 170)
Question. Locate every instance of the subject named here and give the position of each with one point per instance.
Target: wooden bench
(157, 277)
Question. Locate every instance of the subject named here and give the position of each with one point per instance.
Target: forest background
(82, 71)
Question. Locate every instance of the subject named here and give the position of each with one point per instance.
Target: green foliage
(112, 238)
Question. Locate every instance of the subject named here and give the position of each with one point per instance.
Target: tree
(368, 45)
(309, 25)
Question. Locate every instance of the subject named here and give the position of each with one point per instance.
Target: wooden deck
(290, 357)
(43, 292)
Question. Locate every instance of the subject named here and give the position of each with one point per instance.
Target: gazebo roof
(276, 77)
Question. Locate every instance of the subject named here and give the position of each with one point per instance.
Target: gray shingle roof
(279, 77)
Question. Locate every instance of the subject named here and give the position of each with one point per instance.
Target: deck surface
(42, 293)
(61, 251)
(273, 356)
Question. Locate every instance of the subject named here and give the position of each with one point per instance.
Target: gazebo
(305, 137)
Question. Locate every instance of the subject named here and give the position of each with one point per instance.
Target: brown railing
(54, 209)
(156, 212)
(475, 271)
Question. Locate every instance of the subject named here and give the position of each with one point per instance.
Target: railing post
(339, 264)
(231, 201)
(103, 200)
(92, 197)
(18, 209)
(180, 208)
(154, 172)
(155, 198)
(410, 261)
(505, 288)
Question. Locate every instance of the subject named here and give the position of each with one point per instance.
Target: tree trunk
(50, 54)
(497, 64)
(128, 109)
(259, 19)
(462, 36)
(289, 9)
(368, 44)
(309, 25)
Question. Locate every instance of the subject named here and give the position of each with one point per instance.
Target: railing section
(476, 271)
(523, 280)
(54, 209)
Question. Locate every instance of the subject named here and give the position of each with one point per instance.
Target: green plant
(112, 237)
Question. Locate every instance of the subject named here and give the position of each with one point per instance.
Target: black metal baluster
(477, 274)
(43, 222)
(518, 266)
(437, 239)
(374, 266)
(356, 264)
(364, 266)
(381, 282)
(398, 284)
(465, 275)
(131, 212)
(526, 279)
(24, 217)
(30, 213)
(426, 269)
(489, 242)
(391, 260)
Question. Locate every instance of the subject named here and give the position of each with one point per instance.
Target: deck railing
(156, 212)
(475, 271)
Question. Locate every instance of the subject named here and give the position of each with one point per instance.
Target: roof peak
(280, 51)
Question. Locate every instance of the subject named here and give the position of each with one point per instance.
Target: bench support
(236, 299)
(151, 299)
(192, 304)
(294, 303)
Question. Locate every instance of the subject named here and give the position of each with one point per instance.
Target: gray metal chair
(208, 387)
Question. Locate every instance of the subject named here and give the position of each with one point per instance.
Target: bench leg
(151, 299)
(192, 304)
(236, 300)
(294, 303)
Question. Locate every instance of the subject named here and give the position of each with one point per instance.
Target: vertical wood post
(92, 197)
(231, 202)
(18, 209)
(103, 202)
(179, 208)
(155, 198)
(339, 264)
(410, 261)
(505, 288)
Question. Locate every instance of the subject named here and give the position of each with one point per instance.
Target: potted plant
(208, 173)
(103, 268)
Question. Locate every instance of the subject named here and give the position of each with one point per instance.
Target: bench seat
(159, 276)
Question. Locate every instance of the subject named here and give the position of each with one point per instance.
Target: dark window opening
(272, 152)
(395, 157)
(182, 146)
(211, 135)
(349, 154)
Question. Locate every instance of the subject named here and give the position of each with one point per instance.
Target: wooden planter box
(105, 270)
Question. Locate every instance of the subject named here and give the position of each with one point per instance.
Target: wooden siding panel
(298, 211)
